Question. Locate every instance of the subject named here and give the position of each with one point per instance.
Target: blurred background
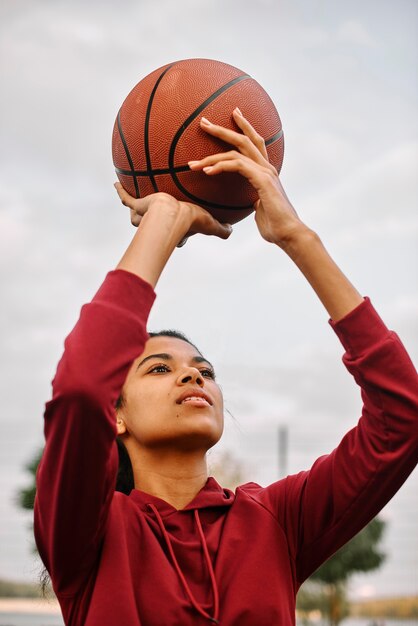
(343, 77)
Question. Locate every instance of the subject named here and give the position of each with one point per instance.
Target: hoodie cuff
(126, 291)
(360, 329)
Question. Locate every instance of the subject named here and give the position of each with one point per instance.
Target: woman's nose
(191, 376)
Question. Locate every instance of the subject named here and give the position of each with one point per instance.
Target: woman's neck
(176, 477)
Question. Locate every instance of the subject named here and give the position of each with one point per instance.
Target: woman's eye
(158, 369)
(207, 373)
(161, 368)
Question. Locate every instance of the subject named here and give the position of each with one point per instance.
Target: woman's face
(171, 398)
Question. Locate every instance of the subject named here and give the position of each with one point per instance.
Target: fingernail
(192, 163)
(182, 242)
(208, 168)
(205, 121)
(238, 111)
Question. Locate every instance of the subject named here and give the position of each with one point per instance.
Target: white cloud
(384, 187)
(355, 33)
(12, 233)
(14, 229)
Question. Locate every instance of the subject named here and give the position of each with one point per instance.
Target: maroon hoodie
(233, 559)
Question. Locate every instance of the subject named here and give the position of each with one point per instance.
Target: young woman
(178, 549)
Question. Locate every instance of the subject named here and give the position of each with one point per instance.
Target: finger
(211, 226)
(139, 205)
(250, 132)
(225, 156)
(124, 196)
(258, 176)
(241, 141)
(135, 218)
(234, 161)
(206, 224)
(182, 242)
(213, 158)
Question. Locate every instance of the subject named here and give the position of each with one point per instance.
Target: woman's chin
(201, 437)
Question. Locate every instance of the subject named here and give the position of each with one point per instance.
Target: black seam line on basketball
(183, 168)
(128, 156)
(159, 172)
(196, 112)
(179, 168)
(183, 127)
(275, 137)
(146, 127)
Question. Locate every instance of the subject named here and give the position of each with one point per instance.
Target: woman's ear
(120, 425)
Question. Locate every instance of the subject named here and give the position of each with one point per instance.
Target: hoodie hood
(172, 527)
(211, 495)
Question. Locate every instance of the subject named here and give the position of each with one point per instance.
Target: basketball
(157, 131)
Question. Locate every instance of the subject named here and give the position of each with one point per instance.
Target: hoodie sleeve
(77, 474)
(323, 508)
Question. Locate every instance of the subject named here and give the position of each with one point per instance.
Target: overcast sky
(343, 77)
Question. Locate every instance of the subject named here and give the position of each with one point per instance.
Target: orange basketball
(157, 132)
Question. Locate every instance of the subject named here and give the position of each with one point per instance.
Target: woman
(179, 549)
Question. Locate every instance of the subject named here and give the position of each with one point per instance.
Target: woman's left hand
(275, 217)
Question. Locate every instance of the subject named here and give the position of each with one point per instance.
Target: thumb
(221, 230)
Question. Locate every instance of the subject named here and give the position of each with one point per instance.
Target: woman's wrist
(168, 223)
(296, 239)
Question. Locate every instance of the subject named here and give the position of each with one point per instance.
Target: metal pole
(283, 446)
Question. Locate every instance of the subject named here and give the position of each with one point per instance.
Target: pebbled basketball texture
(157, 132)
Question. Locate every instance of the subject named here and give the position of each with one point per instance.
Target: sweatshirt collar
(211, 495)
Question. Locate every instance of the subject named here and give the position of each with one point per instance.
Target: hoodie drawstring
(196, 605)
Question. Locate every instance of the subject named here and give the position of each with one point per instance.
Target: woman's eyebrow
(201, 359)
(168, 357)
(162, 355)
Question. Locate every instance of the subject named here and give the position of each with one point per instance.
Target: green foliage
(311, 597)
(26, 496)
(358, 555)
(326, 589)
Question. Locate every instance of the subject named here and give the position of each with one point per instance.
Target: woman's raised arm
(323, 508)
(162, 223)
(77, 474)
(276, 218)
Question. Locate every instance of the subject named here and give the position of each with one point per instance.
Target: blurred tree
(26, 499)
(326, 589)
(311, 602)
(227, 470)
(26, 496)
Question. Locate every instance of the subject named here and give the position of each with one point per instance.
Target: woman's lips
(193, 396)
(195, 401)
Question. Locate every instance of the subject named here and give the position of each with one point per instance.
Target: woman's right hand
(185, 217)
